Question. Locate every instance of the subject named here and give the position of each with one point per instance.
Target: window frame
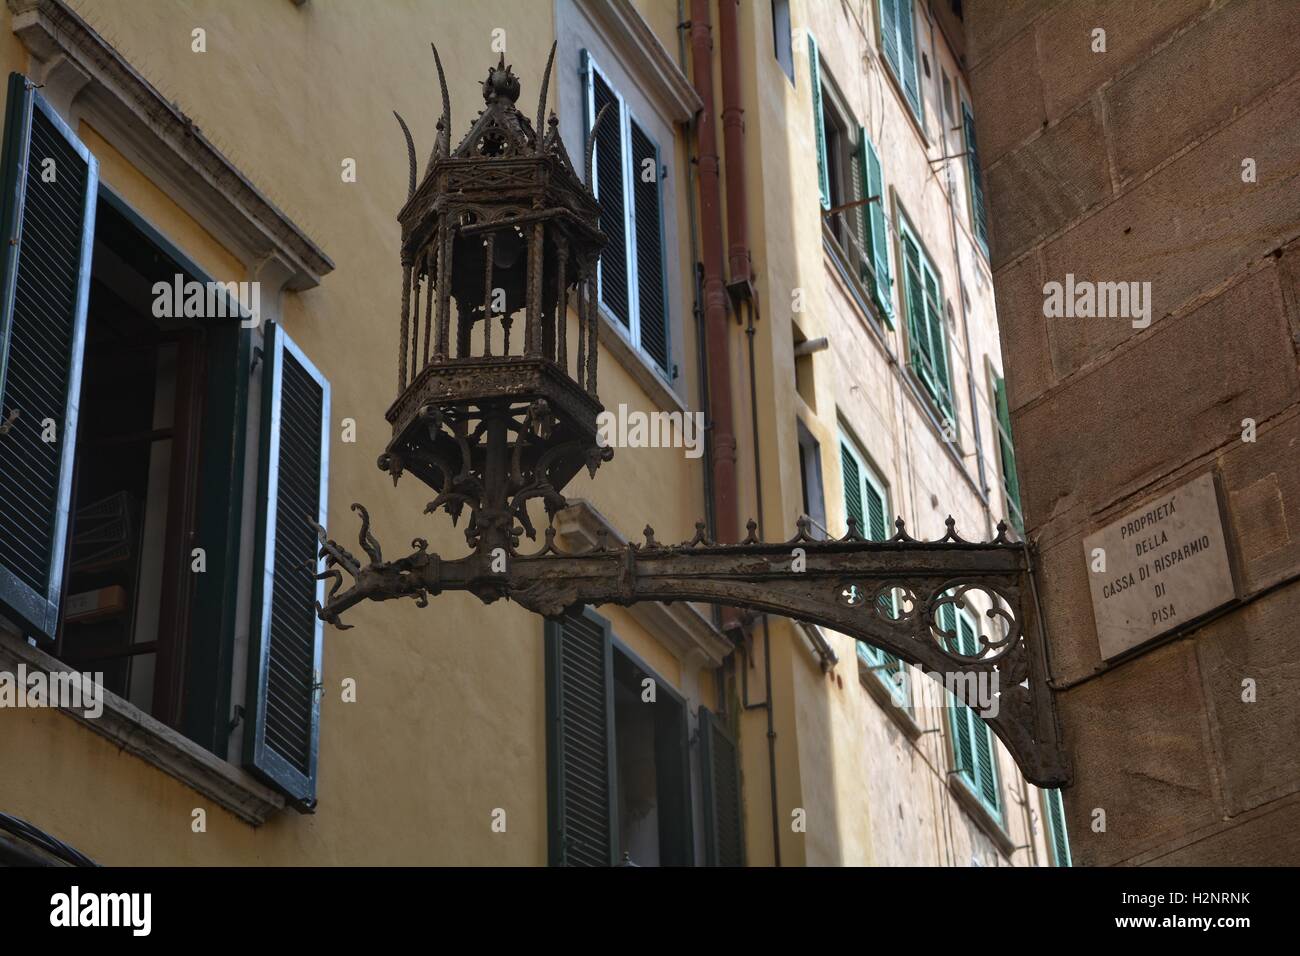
(786, 63)
(975, 192)
(632, 331)
(1049, 827)
(969, 777)
(917, 109)
(936, 392)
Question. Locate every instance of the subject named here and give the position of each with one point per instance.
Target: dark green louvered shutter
(986, 775)
(979, 217)
(889, 33)
(938, 352)
(877, 233)
(1010, 481)
(917, 327)
(1056, 833)
(582, 810)
(852, 489)
(651, 276)
(285, 647)
(819, 121)
(724, 839)
(907, 51)
(50, 183)
(607, 174)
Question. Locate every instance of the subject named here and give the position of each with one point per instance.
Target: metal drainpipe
(715, 294)
(741, 287)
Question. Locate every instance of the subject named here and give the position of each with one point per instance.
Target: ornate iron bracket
(889, 594)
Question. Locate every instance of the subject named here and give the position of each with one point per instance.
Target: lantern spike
(441, 146)
(590, 150)
(410, 156)
(541, 100)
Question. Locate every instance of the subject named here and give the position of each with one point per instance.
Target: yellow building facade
(254, 142)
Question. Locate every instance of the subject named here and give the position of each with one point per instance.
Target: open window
(618, 753)
(125, 382)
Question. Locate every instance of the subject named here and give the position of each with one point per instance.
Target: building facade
(1156, 146)
(174, 430)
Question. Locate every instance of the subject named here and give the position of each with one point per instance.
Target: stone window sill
(991, 826)
(880, 693)
(134, 731)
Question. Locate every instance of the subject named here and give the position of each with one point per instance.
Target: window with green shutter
(877, 273)
(1054, 814)
(898, 41)
(978, 215)
(819, 120)
(627, 178)
(618, 766)
(974, 754)
(1010, 481)
(927, 339)
(866, 500)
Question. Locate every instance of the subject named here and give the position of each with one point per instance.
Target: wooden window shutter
(651, 277)
(907, 49)
(889, 34)
(917, 327)
(50, 184)
(285, 639)
(852, 489)
(819, 121)
(724, 838)
(878, 234)
(985, 774)
(1056, 833)
(1010, 481)
(979, 217)
(607, 174)
(582, 809)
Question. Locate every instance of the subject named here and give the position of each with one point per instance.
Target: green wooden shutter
(889, 33)
(285, 642)
(819, 121)
(44, 287)
(608, 184)
(724, 836)
(958, 714)
(852, 489)
(917, 327)
(878, 233)
(1010, 481)
(582, 778)
(979, 217)
(937, 351)
(1056, 833)
(907, 49)
(651, 277)
(985, 770)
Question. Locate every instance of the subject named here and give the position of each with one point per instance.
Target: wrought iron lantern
(496, 409)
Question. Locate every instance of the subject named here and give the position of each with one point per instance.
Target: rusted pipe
(739, 265)
(717, 333)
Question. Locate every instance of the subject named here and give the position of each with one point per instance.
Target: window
(1010, 482)
(627, 176)
(853, 193)
(922, 295)
(1054, 814)
(810, 473)
(618, 767)
(898, 41)
(867, 502)
(782, 40)
(978, 216)
(107, 516)
(972, 740)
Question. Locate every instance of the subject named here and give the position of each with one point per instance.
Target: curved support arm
(891, 595)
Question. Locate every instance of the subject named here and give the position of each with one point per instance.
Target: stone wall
(1135, 164)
